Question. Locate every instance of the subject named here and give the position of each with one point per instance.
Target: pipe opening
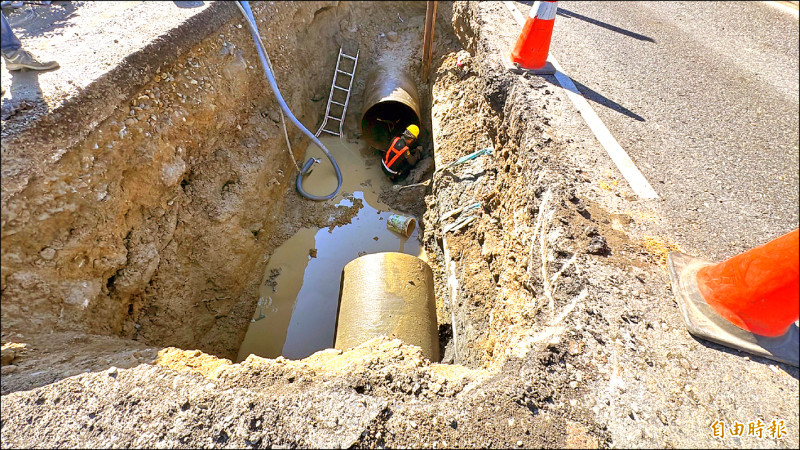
(385, 121)
(391, 103)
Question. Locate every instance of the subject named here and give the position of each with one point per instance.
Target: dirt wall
(154, 226)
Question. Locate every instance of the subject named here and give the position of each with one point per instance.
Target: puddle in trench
(296, 314)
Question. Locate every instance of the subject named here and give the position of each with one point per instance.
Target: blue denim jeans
(10, 43)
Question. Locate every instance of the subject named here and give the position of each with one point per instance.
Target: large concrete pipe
(391, 103)
(389, 294)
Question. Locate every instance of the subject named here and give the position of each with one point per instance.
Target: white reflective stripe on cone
(544, 10)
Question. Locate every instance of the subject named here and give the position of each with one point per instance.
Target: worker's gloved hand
(413, 155)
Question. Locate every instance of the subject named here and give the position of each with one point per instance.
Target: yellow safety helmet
(413, 130)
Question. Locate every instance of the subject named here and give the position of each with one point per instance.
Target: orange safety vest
(393, 153)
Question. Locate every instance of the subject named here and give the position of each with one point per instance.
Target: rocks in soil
(496, 91)
(422, 170)
(7, 357)
(580, 205)
(11, 108)
(598, 246)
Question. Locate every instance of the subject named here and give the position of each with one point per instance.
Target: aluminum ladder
(339, 75)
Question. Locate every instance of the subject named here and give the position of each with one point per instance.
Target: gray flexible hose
(244, 7)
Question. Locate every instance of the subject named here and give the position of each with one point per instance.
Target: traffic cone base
(513, 67)
(702, 321)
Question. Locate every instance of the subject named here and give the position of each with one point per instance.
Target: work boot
(12, 5)
(194, 4)
(20, 59)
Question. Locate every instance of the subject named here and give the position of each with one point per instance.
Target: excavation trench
(175, 222)
(299, 298)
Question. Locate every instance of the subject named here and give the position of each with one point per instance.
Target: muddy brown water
(299, 296)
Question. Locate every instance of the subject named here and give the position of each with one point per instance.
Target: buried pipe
(244, 7)
(391, 103)
(388, 294)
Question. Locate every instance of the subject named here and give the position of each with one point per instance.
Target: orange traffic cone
(750, 302)
(530, 52)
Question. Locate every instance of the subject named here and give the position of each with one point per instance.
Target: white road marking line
(621, 159)
(623, 162)
(515, 12)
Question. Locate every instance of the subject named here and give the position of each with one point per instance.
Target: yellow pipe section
(388, 294)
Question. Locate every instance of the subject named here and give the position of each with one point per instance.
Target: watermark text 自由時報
(776, 429)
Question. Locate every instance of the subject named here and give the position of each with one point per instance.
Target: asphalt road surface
(703, 96)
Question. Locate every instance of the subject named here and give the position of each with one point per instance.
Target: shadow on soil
(39, 20)
(25, 93)
(600, 99)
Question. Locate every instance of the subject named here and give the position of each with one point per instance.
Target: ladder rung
(335, 86)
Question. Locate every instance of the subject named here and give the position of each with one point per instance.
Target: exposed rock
(8, 355)
(597, 246)
(421, 170)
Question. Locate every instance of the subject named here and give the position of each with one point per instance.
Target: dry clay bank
(138, 218)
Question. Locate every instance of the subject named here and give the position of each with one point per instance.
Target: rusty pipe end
(391, 103)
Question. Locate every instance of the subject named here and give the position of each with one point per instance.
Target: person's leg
(17, 58)
(10, 43)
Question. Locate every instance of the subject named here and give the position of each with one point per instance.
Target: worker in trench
(402, 154)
